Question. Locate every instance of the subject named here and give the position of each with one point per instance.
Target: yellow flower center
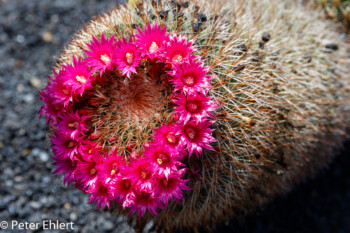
(177, 58)
(159, 161)
(73, 125)
(80, 79)
(171, 138)
(92, 171)
(129, 57)
(192, 106)
(105, 58)
(189, 81)
(153, 48)
(143, 175)
(113, 172)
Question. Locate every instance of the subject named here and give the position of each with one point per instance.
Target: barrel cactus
(189, 113)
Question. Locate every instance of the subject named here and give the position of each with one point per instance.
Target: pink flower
(64, 146)
(50, 110)
(141, 172)
(100, 194)
(62, 94)
(86, 171)
(190, 78)
(110, 167)
(196, 106)
(178, 50)
(195, 136)
(145, 199)
(101, 54)
(172, 186)
(151, 40)
(66, 166)
(78, 76)
(121, 187)
(72, 125)
(89, 148)
(164, 160)
(128, 57)
(166, 135)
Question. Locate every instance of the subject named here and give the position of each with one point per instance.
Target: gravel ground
(32, 33)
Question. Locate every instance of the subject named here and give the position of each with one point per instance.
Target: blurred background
(32, 33)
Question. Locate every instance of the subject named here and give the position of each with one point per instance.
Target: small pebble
(35, 82)
(73, 217)
(35, 205)
(20, 88)
(67, 205)
(20, 39)
(28, 98)
(44, 157)
(265, 36)
(47, 37)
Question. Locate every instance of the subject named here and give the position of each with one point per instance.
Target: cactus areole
(172, 112)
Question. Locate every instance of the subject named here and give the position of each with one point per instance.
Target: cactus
(280, 80)
(336, 9)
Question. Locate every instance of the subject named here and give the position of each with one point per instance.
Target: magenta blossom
(172, 186)
(195, 136)
(78, 76)
(178, 50)
(164, 160)
(72, 125)
(128, 57)
(50, 110)
(151, 40)
(121, 187)
(102, 54)
(57, 89)
(191, 77)
(65, 146)
(141, 172)
(86, 171)
(64, 166)
(145, 199)
(110, 167)
(196, 106)
(166, 135)
(100, 194)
